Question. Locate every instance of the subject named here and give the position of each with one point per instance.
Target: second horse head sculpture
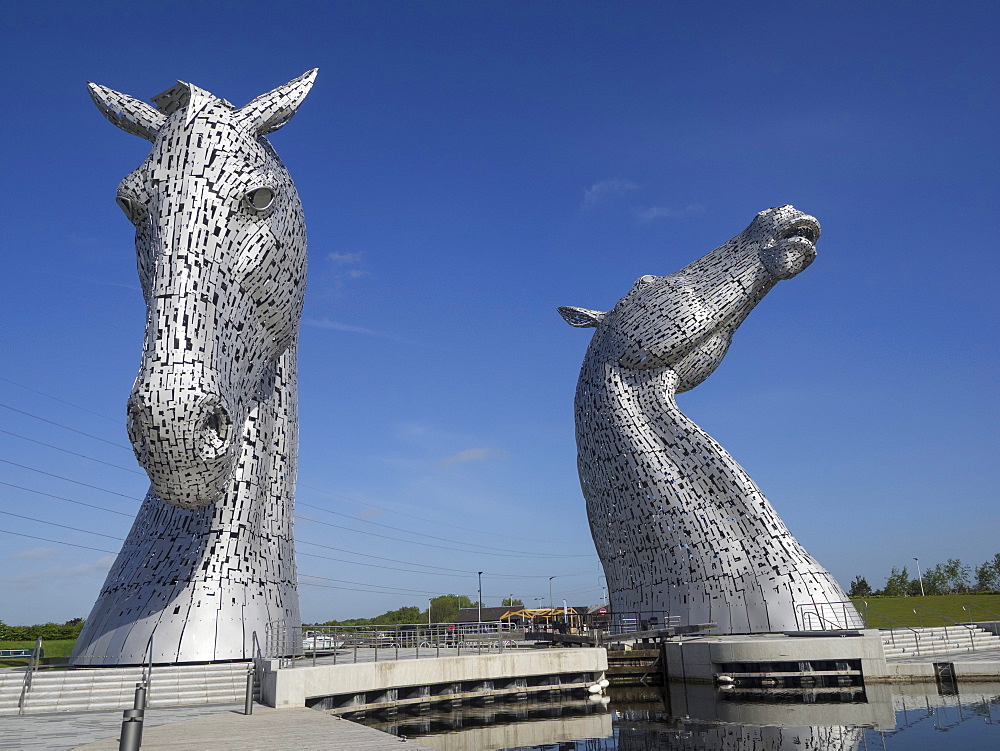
(681, 529)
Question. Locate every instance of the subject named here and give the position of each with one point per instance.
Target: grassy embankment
(50, 648)
(901, 609)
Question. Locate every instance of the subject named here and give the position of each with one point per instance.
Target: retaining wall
(431, 677)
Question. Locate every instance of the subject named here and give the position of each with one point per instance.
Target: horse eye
(259, 199)
(126, 205)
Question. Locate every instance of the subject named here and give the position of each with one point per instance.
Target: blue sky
(467, 167)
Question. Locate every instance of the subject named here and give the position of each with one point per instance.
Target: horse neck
(272, 431)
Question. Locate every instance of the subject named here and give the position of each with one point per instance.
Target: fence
(290, 644)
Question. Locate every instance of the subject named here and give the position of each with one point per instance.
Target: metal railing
(147, 668)
(996, 616)
(917, 611)
(629, 622)
(373, 643)
(29, 674)
(866, 615)
(829, 616)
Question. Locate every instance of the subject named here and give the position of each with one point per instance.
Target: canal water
(697, 717)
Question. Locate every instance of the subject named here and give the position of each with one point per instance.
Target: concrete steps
(919, 642)
(86, 689)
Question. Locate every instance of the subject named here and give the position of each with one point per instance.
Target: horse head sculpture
(681, 528)
(220, 239)
(209, 564)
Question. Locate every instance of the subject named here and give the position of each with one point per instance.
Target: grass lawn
(901, 609)
(50, 648)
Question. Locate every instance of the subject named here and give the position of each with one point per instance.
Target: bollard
(131, 738)
(140, 696)
(248, 704)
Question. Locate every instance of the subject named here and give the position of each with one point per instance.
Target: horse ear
(581, 318)
(269, 112)
(129, 114)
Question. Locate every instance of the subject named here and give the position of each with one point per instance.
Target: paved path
(219, 727)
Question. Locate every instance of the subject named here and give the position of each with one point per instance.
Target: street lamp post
(550, 590)
(920, 577)
(428, 612)
(480, 596)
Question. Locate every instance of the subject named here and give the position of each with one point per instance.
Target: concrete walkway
(219, 727)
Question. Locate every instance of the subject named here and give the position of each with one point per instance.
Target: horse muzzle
(184, 439)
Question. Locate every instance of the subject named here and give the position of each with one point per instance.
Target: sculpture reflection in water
(681, 529)
(690, 717)
(221, 246)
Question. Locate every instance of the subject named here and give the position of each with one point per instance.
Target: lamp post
(550, 591)
(920, 577)
(428, 612)
(480, 596)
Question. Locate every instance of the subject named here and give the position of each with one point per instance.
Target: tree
(512, 603)
(408, 614)
(897, 583)
(860, 587)
(988, 575)
(444, 609)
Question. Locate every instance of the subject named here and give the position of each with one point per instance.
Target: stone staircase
(84, 689)
(919, 642)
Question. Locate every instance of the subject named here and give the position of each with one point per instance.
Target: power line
(66, 427)
(320, 508)
(403, 513)
(443, 547)
(319, 521)
(397, 590)
(74, 453)
(61, 401)
(68, 500)
(367, 591)
(454, 572)
(69, 479)
(64, 526)
(301, 485)
(59, 542)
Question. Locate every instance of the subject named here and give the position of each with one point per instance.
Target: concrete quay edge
(291, 687)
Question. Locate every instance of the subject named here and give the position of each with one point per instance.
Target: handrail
(892, 632)
(822, 618)
(147, 667)
(800, 613)
(255, 654)
(29, 675)
(256, 671)
(966, 607)
(971, 629)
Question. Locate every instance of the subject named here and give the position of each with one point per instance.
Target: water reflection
(683, 717)
(504, 725)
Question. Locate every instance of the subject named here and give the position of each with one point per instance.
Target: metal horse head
(221, 246)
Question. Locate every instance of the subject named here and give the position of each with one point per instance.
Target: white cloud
(34, 554)
(604, 189)
(344, 259)
(469, 455)
(651, 213)
(326, 323)
(412, 431)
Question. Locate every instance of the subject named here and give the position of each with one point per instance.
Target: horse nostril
(215, 430)
(137, 426)
(215, 423)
